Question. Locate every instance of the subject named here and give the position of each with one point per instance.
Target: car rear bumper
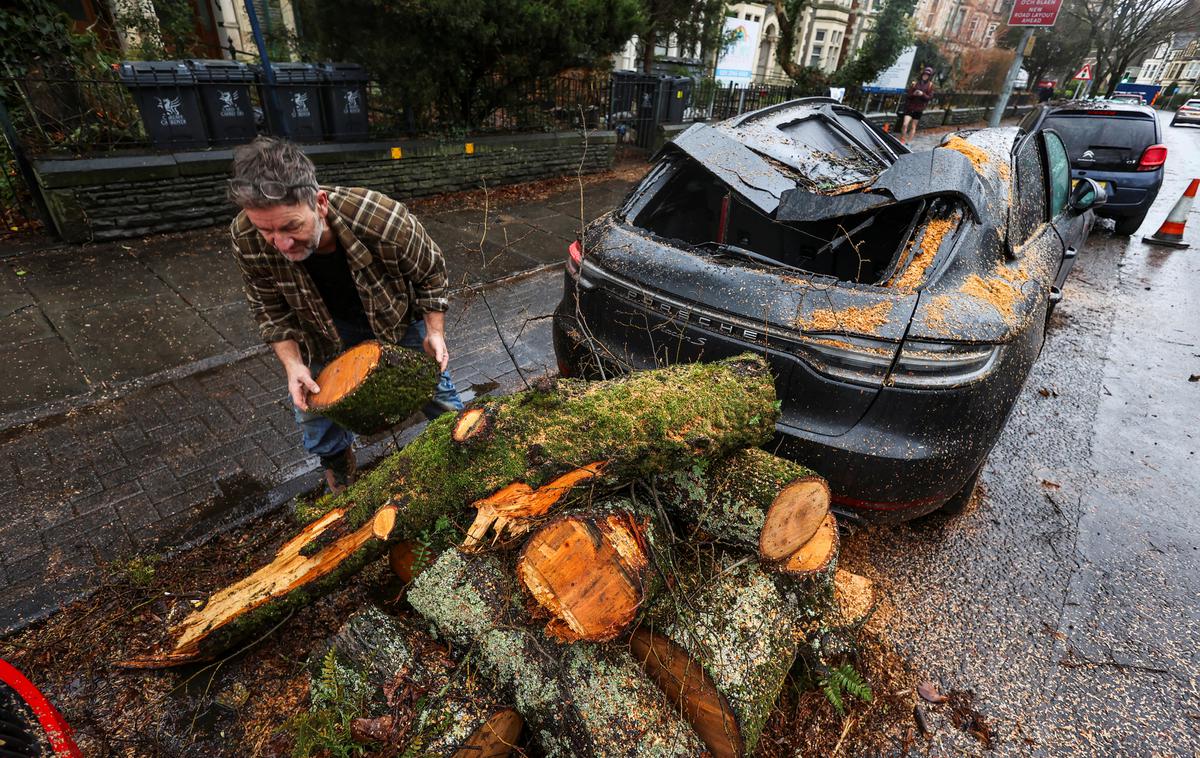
(1185, 119)
(1130, 193)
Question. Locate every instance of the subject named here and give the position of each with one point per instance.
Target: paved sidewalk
(143, 414)
(173, 463)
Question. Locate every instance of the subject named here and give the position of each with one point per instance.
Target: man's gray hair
(278, 164)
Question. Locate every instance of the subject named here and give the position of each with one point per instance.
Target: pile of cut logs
(634, 576)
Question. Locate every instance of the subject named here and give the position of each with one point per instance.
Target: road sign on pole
(1002, 99)
(1085, 73)
(1034, 12)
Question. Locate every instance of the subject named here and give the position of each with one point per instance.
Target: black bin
(224, 88)
(166, 96)
(677, 96)
(344, 93)
(297, 99)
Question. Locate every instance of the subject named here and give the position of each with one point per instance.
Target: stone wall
(132, 195)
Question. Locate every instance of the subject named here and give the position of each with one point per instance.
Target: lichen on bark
(579, 699)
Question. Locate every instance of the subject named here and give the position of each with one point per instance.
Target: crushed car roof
(812, 158)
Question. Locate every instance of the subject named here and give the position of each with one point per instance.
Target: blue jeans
(323, 437)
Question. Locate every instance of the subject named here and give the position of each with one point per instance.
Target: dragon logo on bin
(170, 111)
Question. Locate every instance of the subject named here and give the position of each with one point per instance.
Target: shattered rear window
(695, 210)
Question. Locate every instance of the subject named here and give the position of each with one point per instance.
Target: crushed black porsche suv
(899, 297)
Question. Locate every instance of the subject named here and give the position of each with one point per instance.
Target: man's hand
(435, 348)
(300, 383)
(299, 378)
(435, 339)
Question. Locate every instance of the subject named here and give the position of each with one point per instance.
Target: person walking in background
(920, 93)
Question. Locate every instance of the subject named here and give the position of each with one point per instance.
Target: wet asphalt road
(1067, 599)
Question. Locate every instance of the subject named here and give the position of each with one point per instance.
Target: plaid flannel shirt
(399, 272)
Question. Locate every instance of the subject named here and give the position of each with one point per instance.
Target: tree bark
(720, 645)
(414, 696)
(544, 442)
(750, 499)
(374, 386)
(581, 699)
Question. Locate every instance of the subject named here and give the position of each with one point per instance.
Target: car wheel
(1127, 226)
(958, 502)
(1172, 122)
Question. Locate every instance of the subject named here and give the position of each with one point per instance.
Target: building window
(989, 37)
(747, 16)
(757, 18)
(958, 22)
(814, 60)
(819, 35)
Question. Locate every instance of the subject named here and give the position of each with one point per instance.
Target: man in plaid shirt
(326, 268)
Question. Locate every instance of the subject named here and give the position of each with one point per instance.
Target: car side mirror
(1086, 194)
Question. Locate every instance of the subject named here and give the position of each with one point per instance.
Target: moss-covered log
(408, 693)
(592, 571)
(581, 699)
(374, 386)
(720, 645)
(544, 442)
(750, 499)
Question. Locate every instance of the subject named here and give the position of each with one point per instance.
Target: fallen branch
(544, 442)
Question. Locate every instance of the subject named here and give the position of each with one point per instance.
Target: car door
(1031, 236)
(1072, 228)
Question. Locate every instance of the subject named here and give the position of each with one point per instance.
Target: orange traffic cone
(1171, 231)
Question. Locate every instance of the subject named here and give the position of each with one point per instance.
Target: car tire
(959, 501)
(1172, 122)
(1127, 226)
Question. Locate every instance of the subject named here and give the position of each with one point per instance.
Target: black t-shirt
(330, 273)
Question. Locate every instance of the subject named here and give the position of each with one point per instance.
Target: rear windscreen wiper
(732, 251)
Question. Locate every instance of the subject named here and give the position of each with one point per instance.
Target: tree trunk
(414, 696)
(649, 39)
(542, 443)
(720, 645)
(581, 699)
(592, 572)
(374, 386)
(750, 499)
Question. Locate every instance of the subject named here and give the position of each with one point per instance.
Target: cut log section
(374, 386)
(721, 654)
(633, 427)
(590, 572)
(581, 699)
(751, 499)
(455, 714)
(818, 556)
(474, 425)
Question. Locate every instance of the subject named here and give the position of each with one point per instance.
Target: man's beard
(318, 230)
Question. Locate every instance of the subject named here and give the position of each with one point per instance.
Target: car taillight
(1101, 113)
(919, 365)
(574, 258)
(932, 365)
(853, 359)
(1153, 157)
